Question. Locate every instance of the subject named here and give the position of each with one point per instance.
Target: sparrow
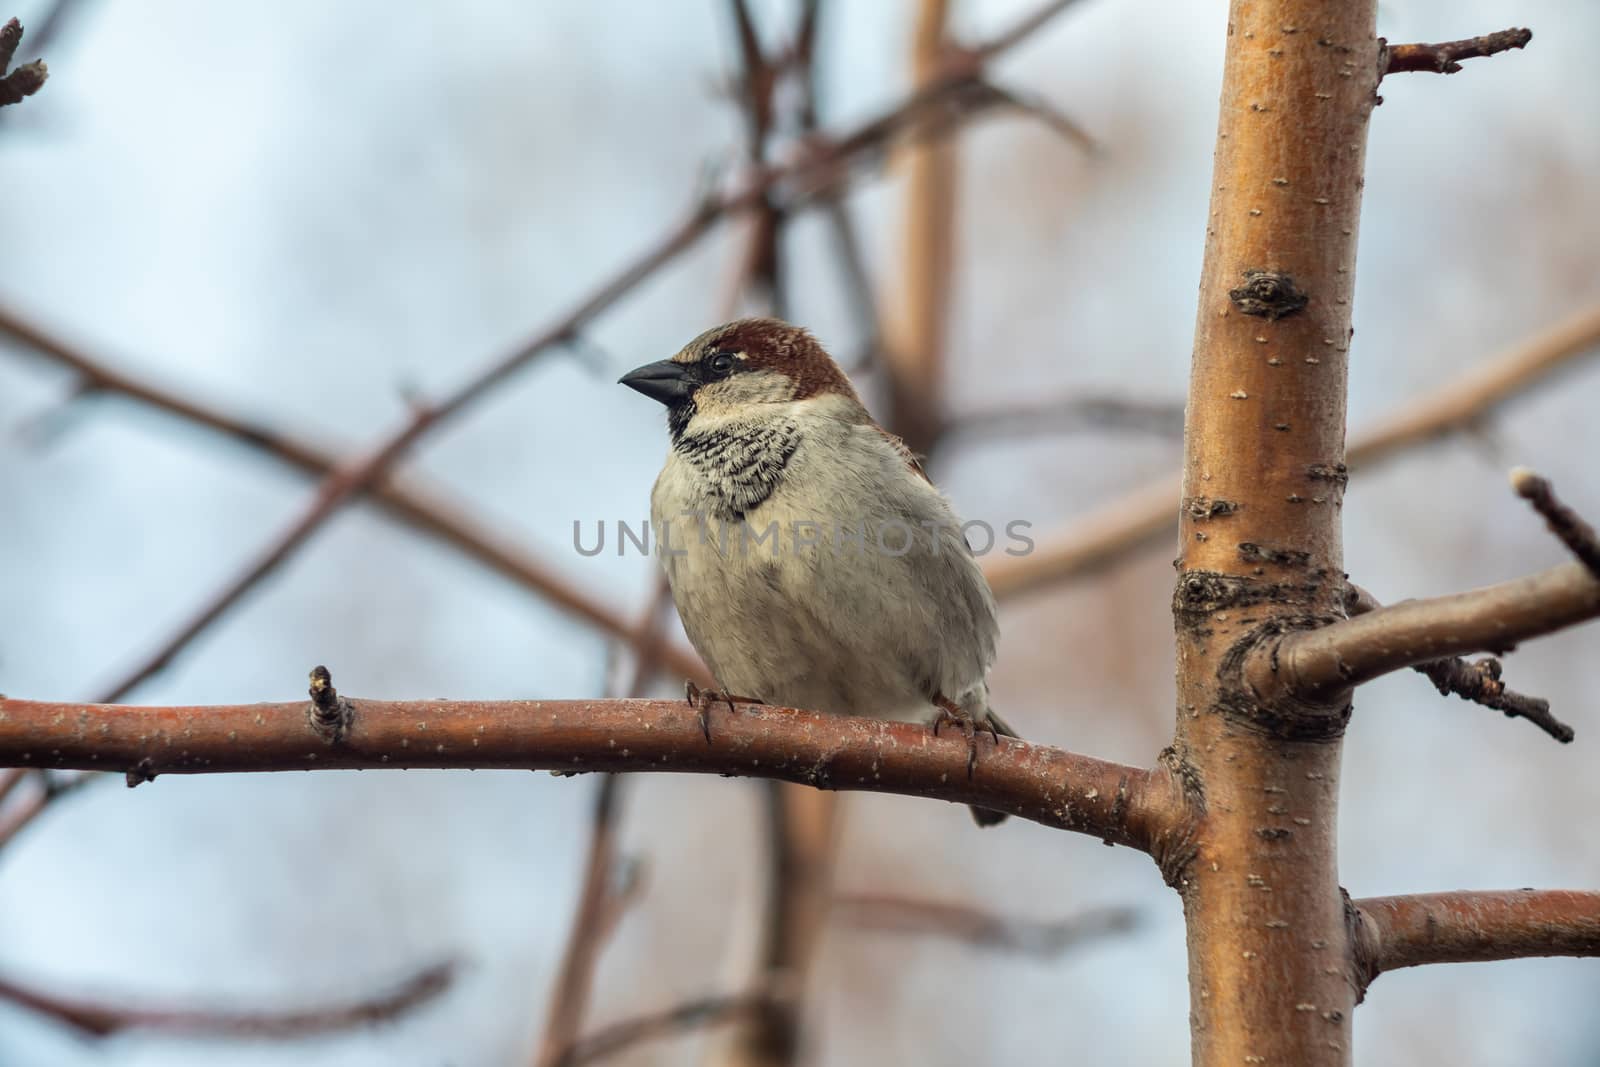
(812, 562)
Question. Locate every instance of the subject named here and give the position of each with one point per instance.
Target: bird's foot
(702, 699)
(951, 712)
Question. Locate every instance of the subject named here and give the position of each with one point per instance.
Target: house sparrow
(811, 560)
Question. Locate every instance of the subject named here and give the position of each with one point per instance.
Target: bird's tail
(987, 816)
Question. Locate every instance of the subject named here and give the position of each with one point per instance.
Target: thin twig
(1113, 414)
(1042, 938)
(1445, 58)
(1054, 119)
(23, 813)
(1477, 681)
(693, 1014)
(97, 1018)
(603, 897)
(1566, 524)
(1021, 30)
(10, 779)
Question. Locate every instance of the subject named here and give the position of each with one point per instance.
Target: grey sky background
(301, 211)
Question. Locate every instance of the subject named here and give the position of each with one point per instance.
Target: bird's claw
(702, 699)
(951, 712)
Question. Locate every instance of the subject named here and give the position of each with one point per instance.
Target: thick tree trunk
(1269, 970)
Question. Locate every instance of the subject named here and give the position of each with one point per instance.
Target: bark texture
(1270, 978)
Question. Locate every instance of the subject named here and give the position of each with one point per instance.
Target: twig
(1118, 803)
(1467, 927)
(1037, 107)
(1566, 524)
(1318, 664)
(603, 897)
(1042, 938)
(427, 509)
(811, 174)
(708, 1011)
(10, 779)
(1143, 516)
(101, 1019)
(1113, 414)
(28, 78)
(25, 811)
(1446, 58)
(596, 916)
(1477, 681)
(1021, 30)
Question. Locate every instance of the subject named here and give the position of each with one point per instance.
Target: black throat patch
(741, 464)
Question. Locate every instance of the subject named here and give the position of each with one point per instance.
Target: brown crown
(776, 345)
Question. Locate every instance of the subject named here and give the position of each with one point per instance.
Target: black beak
(665, 381)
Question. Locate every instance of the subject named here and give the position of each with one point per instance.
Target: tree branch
(1144, 516)
(1315, 665)
(1041, 938)
(1471, 927)
(1120, 804)
(1566, 524)
(101, 1019)
(1446, 58)
(1477, 681)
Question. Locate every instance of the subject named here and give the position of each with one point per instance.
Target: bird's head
(737, 370)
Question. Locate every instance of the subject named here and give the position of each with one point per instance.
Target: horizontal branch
(1314, 665)
(99, 1018)
(1470, 927)
(1445, 58)
(1120, 804)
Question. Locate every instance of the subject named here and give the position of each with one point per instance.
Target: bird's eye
(721, 363)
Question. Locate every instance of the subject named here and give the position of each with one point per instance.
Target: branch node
(329, 714)
(141, 772)
(1269, 294)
